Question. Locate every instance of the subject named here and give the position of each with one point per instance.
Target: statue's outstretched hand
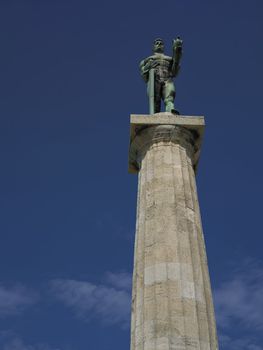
(177, 44)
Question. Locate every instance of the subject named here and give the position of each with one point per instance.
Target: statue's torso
(163, 68)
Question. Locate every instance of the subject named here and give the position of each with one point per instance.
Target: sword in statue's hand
(151, 91)
(151, 86)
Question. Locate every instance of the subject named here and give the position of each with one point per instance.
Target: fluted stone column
(172, 307)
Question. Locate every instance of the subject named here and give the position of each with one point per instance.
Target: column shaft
(172, 306)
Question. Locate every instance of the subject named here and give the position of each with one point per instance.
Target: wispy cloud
(14, 299)
(120, 280)
(241, 298)
(11, 341)
(239, 306)
(239, 343)
(19, 344)
(108, 302)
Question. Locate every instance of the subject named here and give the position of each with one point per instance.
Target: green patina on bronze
(158, 72)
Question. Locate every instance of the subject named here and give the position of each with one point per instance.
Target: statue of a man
(158, 72)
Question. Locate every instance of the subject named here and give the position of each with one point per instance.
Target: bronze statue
(158, 72)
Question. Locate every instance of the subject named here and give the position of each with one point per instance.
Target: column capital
(146, 130)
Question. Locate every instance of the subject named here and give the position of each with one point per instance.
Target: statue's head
(158, 45)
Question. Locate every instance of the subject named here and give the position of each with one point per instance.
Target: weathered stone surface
(172, 307)
(139, 122)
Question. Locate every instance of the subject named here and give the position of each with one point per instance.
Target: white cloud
(241, 299)
(9, 340)
(122, 280)
(240, 343)
(239, 307)
(14, 299)
(18, 344)
(110, 304)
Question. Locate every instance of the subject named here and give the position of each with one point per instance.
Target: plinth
(172, 307)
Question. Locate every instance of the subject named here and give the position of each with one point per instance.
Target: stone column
(172, 307)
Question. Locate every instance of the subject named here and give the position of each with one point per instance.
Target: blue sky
(69, 81)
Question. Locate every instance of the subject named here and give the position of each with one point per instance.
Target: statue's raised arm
(177, 54)
(158, 71)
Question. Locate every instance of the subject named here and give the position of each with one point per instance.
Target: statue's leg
(169, 96)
